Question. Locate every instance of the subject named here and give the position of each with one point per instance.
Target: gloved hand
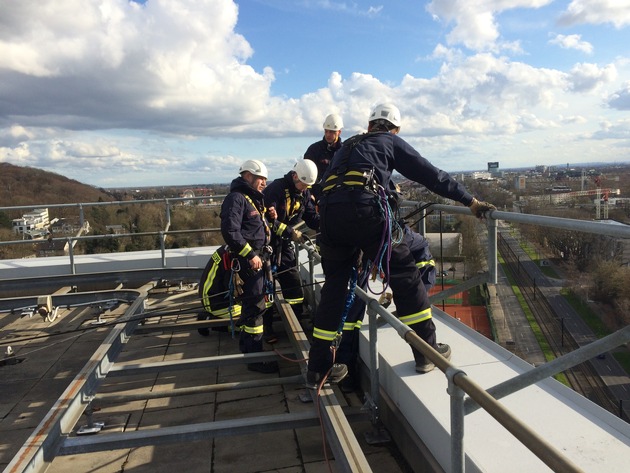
(238, 285)
(479, 208)
(296, 236)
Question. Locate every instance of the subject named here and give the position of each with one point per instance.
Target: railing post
(81, 216)
(456, 393)
(163, 248)
(374, 382)
(492, 251)
(71, 254)
(168, 215)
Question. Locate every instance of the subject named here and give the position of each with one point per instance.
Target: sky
(119, 93)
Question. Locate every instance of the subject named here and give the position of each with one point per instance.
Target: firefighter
(321, 152)
(356, 217)
(291, 198)
(247, 234)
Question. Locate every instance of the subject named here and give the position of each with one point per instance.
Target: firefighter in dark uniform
(247, 233)
(321, 152)
(291, 198)
(356, 216)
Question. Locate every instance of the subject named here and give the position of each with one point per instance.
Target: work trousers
(253, 308)
(346, 228)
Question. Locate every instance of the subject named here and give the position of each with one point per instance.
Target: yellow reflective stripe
(422, 264)
(354, 183)
(295, 301)
(354, 173)
(281, 228)
(332, 177)
(324, 334)
(225, 313)
(252, 330)
(352, 325)
(209, 280)
(417, 317)
(268, 304)
(246, 250)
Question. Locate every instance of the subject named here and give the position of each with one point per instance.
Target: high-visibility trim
(295, 301)
(268, 304)
(327, 335)
(225, 313)
(216, 258)
(347, 179)
(422, 264)
(417, 317)
(281, 228)
(246, 250)
(350, 326)
(252, 330)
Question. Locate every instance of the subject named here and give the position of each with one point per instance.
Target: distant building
(32, 221)
(481, 175)
(451, 244)
(493, 169)
(520, 183)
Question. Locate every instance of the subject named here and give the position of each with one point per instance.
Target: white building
(37, 219)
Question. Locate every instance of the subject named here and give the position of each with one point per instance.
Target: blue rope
(384, 254)
(349, 299)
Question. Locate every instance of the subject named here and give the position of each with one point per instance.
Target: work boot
(265, 367)
(270, 335)
(424, 365)
(336, 374)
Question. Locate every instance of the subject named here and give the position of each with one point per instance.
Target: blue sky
(118, 93)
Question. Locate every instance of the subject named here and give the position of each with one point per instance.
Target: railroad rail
(583, 378)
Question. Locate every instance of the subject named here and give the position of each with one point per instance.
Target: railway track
(583, 378)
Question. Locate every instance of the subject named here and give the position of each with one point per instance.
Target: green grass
(585, 312)
(623, 358)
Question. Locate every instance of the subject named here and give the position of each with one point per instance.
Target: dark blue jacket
(321, 153)
(384, 153)
(243, 224)
(291, 204)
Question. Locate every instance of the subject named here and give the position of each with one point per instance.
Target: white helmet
(257, 168)
(333, 122)
(386, 111)
(306, 171)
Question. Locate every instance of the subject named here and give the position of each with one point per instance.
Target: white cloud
(587, 77)
(476, 24)
(620, 100)
(573, 41)
(130, 66)
(616, 12)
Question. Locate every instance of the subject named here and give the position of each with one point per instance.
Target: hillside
(25, 186)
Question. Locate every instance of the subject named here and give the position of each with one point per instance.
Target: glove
(238, 285)
(479, 208)
(296, 236)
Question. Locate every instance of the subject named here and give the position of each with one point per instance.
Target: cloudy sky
(138, 93)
